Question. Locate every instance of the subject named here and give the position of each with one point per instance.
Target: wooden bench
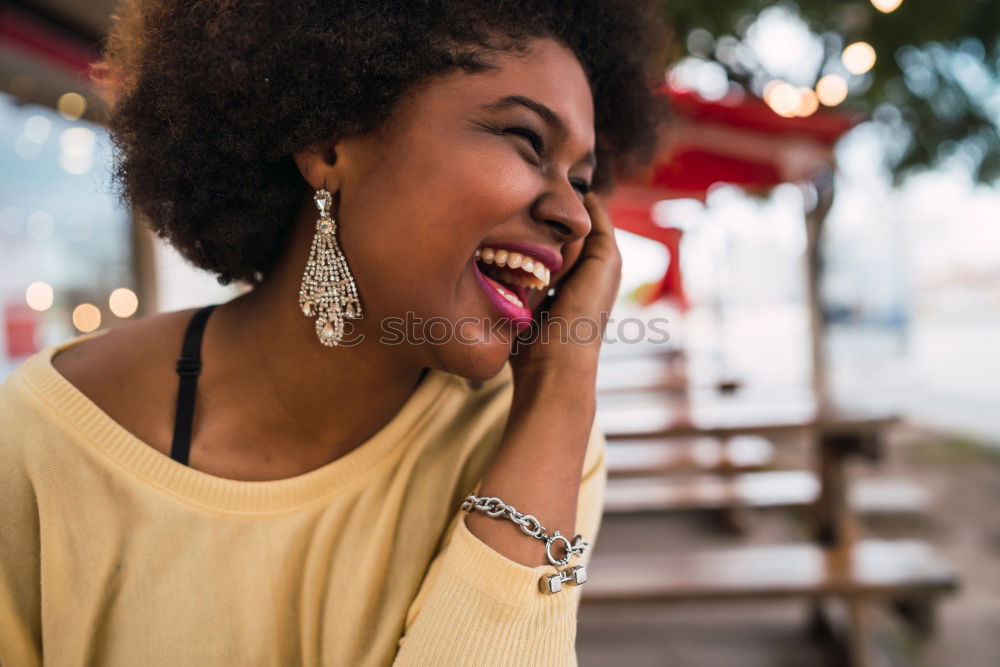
(909, 574)
(728, 417)
(639, 373)
(770, 489)
(645, 456)
(890, 569)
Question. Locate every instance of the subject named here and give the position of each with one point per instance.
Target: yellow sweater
(111, 553)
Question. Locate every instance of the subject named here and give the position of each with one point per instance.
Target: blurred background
(801, 383)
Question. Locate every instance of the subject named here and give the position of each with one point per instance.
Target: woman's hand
(568, 328)
(539, 462)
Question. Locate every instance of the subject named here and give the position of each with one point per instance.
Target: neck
(289, 388)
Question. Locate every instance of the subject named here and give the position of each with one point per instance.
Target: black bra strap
(188, 367)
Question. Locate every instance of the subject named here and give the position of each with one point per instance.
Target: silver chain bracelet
(550, 583)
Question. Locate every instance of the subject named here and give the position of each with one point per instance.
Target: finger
(600, 220)
(601, 240)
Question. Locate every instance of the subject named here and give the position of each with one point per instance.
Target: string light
(788, 100)
(123, 302)
(39, 296)
(37, 128)
(886, 6)
(807, 102)
(77, 156)
(86, 317)
(858, 57)
(71, 106)
(831, 90)
(783, 98)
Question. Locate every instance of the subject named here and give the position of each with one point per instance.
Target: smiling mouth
(519, 273)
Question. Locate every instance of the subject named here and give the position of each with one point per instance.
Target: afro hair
(213, 98)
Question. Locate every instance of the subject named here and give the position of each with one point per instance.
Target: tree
(934, 87)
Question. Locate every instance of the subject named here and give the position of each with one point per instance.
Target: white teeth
(513, 299)
(536, 275)
(509, 296)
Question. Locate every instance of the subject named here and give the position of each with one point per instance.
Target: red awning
(742, 142)
(23, 32)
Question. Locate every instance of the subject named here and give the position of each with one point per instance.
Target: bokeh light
(700, 42)
(26, 148)
(86, 317)
(39, 296)
(886, 6)
(858, 57)
(77, 145)
(123, 302)
(37, 129)
(831, 90)
(807, 102)
(782, 97)
(71, 106)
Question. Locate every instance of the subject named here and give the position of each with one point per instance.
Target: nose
(561, 208)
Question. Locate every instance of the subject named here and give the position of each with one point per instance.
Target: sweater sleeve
(477, 607)
(20, 594)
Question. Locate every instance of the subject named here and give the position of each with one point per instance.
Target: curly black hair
(215, 96)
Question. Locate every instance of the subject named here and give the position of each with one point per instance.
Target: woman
(288, 488)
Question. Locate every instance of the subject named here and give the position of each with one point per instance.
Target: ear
(320, 165)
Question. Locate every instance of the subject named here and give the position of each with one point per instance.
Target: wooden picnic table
(707, 413)
(836, 564)
(837, 432)
(871, 568)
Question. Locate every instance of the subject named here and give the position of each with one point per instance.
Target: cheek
(496, 185)
(472, 191)
(413, 223)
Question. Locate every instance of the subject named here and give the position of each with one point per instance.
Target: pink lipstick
(494, 291)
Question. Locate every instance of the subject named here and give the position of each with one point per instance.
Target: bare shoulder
(128, 373)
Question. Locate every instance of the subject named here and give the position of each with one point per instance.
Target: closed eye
(531, 136)
(536, 143)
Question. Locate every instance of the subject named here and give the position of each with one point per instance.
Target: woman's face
(455, 172)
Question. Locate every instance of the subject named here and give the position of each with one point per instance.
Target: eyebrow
(550, 117)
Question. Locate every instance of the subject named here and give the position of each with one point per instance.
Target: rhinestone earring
(328, 291)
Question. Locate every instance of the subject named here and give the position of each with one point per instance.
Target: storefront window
(65, 240)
